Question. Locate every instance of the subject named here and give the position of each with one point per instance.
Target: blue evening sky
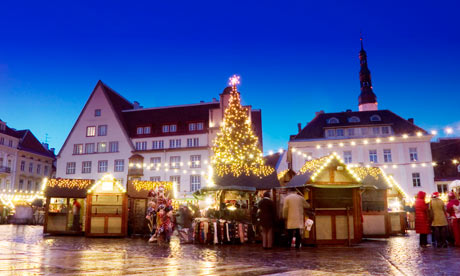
(294, 58)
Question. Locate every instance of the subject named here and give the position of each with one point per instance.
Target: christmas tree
(236, 148)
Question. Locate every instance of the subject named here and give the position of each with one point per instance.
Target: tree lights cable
(236, 148)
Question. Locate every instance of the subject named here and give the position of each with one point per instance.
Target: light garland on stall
(151, 185)
(68, 183)
(107, 178)
(236, 149)
(282, 174)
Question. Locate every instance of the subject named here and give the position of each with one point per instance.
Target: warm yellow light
(405, 136)
(434, 132)
(353, 143)
(341, 144)
(419, 133)
(318, 146)
(329, 145)
(378, 140)
(392, 138)
(365, 142)
(448, 130)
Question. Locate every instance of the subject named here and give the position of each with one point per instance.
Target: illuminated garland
(313, 165)
(236, 148)
(282, 174)
(151, 185)
(69, 183)
(362, 172)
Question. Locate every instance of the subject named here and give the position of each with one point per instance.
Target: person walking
(422, 225)
(184, 224)
(267, 220)
(293, 211)
(439, 220)
(453, 211)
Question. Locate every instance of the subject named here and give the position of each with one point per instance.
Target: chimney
(299, 126)
(137, 105)
(348, 110)
(319, 112)
(52, 149)
(45, 145)
(411, 120)
(214, 100)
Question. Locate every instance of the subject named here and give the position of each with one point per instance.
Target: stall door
(107, 215)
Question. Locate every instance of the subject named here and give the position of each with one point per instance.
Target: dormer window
(333, 120)
(143, 130)
(147, 130)
(169, 128)
(195, 126)
(375, 118)
(353, 119)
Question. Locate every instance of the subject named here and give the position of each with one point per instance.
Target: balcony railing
(5, 169)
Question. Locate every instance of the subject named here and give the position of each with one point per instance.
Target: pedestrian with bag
(266, 216)
(293, 211)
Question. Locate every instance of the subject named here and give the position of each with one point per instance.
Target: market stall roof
(247, 182)
(65, 187)
(373, 177)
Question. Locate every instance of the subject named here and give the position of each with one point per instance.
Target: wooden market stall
(106, 209)
(138, 195)
(333, 191)
(60, 216)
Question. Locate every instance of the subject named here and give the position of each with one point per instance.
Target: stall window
(373, 200)
(333, 198)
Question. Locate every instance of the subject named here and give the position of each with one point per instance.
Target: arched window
(353, 119)
(333, 120)
(375, 118)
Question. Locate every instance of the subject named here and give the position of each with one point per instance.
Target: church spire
(367, 99)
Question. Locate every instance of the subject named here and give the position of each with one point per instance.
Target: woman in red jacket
(422, 224)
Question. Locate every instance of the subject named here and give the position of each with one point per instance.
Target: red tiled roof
(315, 128)
(31, 144)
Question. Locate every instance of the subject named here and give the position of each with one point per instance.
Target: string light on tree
(236, 148)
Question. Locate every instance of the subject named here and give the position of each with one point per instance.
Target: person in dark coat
(422, 224)
(267, 220)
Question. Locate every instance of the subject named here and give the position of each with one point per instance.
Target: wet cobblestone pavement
(24, 251)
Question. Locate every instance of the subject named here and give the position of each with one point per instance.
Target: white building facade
(173, 143)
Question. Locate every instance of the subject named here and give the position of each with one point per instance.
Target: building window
(375, 118)
(70, 168)
(353, 119)
(175, 179)
(339, 132)
(147, 130)
(119, 165)
(192, 126)
(113, 146)
(102, 130)
(364, 131)
(442, 188)
(141, 145)
(458, 168)
(89, 148)
(193, 142)
(347, 158)
(376, 130)
(90, 131)
(78, 149)
(172, 128)
(2, 140)
(45, 170)
(195, 182)
(140, 130)
(195, 161)
(416, 179)
(31, 167)
(155, 163)
(155, 178)
(102, 166)
(21, 184)
(174, 143)
(330, 132)
(413, 154)
(385, 130)
(37, 186)
(29, 185)
(102, 147)
(159, 144)
(97, 113)
(39, 168)
(86, 167)
(351, 132)
(23, 166)
(10, 143)
(174, 162)
(387, 156)
(373, 156)
(199, 126)
(165, 128)
(333, 120)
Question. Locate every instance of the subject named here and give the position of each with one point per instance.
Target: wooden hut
(333, 191)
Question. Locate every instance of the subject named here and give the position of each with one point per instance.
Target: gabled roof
(28, 142)
(373, 176)
(315, 128)
(244, 181)
(10, 132)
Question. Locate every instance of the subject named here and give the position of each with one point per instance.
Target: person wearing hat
(422, 225)
(439, 220)
(267, 216)
(453, 212)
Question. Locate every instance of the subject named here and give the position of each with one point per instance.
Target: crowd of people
(437, 219)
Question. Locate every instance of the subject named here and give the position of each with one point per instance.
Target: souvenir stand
(397, 199)
(227, 208)
(333, 191)
(60, 194)
(107, 209)
(138, 193)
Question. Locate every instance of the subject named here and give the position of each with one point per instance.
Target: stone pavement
(24, 251)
